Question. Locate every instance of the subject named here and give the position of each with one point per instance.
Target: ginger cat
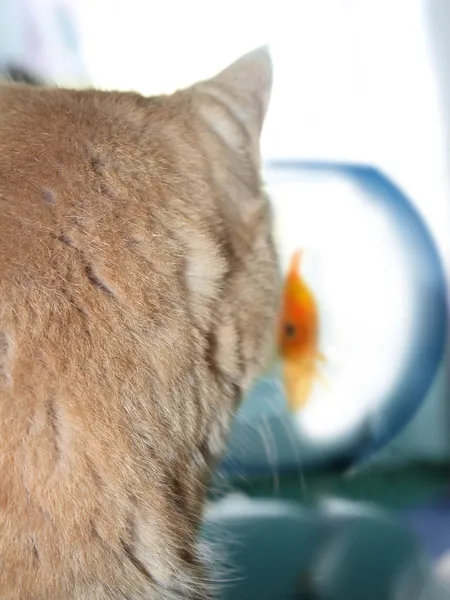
(138, 292)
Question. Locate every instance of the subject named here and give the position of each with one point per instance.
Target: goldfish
(298, 337)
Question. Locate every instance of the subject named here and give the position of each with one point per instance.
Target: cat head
(138, 292)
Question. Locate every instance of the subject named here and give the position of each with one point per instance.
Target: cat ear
(238, 97)
(249, 83)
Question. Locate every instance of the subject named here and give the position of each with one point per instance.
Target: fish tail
(298, 386)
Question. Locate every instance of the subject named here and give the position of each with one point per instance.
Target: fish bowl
(362, 326)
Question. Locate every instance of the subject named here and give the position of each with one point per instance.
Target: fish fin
(321, 357)
(323, 380)
(295, 261)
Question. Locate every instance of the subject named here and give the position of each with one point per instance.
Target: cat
(138, 294)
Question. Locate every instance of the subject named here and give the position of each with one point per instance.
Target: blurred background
(347, 496)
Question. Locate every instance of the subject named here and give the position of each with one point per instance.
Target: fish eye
(289, 330)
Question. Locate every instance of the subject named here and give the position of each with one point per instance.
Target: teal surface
(390, 488)
(274, 550)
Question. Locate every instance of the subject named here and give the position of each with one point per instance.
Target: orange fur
(137, 296)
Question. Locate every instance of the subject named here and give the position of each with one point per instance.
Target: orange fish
(298, 337)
